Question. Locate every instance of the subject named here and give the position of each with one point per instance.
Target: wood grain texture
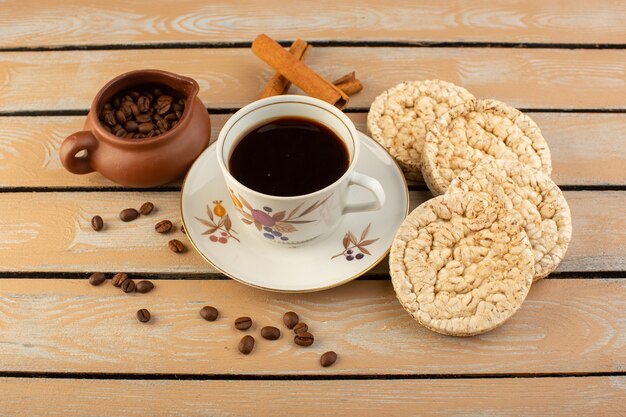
(230, 78)
(592, 396)
(587, 149)
(56, 325)
(48, 23)
(51, 232)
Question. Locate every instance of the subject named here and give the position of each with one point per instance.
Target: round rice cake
(461, 263)
(545, 214)
(479, 129)
(400, 117)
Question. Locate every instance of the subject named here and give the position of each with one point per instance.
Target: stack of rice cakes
(463, 262)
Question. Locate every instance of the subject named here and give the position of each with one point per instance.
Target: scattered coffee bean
(176, 246)
(209, 313)
(290, 319)
(328, 358)
(163, 226)
(143, 287)
(118, 279)
(128, 214)
(246, 344)
(146, 208)
(182, 229)
(270, 333)
(303, 339)
(243, 323)
(97, 278)
(300, 328)
(128, 286)
(143, 315)
(96, 223)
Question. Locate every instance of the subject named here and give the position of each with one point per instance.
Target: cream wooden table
(70, 349)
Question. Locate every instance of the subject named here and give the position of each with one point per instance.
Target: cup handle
(73, 144)
(373, 186)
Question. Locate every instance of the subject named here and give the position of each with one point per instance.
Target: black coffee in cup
(288, 157)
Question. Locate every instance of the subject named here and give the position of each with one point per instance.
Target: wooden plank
(591, 396)
(56, 227)
(230, 78)
(46, 23)
(587, 149)
(56, 325)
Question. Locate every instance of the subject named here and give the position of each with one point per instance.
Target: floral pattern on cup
(274, 225)
(353, 248)
(220, 228)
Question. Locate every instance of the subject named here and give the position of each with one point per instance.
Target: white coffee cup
(298, 219)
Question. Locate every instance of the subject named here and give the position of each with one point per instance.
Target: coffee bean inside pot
(270, 333)
(143, 112)
(246, 344)
(290, 319)
(243, 323)
(96, 223)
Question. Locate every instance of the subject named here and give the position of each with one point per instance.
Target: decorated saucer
(355, 246)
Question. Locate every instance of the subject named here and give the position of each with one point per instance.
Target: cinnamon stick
(349, 84)
(278, 84)
(297, 72)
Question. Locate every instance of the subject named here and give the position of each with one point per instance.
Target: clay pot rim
(184, 120)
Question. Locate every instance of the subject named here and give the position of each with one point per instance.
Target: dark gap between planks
(176, 188)
(353, 110)
(319, 43)
(216, 276)
(294, 377)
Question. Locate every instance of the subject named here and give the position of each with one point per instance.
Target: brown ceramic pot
(140, 162)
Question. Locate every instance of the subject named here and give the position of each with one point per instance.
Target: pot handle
(73, 144)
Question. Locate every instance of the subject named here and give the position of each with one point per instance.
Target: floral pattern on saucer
(218, 222)
(273, 224)
(351, 245)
